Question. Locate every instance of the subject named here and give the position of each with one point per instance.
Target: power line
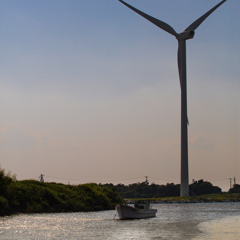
(108, 180)
(127, 179)
(91, 180)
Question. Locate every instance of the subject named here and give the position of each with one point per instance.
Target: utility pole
(234, 181)
(230, 182)
(146, 179)
(41, 178)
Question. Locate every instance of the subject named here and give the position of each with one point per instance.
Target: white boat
(141, 209)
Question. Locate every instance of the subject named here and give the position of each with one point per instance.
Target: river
(195, 221)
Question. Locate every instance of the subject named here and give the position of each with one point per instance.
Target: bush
(5, 181)
(3, 205)
(30, 196)
(203, 187)
(235, 189)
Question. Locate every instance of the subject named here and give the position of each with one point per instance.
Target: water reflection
(220, 229)
(173, 221)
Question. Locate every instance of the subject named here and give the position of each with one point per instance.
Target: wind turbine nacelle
(185, 35)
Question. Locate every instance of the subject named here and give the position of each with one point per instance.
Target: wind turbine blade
(196, 24)
(155, 21)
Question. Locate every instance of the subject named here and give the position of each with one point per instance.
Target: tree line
(146, 190)
(30, 196)
(235, 189)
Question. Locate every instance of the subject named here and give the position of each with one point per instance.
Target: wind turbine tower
(187, 34)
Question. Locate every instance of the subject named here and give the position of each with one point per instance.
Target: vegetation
(215, 197)
(203, 187)
(146, 190)
(235, 189)
(31, 196)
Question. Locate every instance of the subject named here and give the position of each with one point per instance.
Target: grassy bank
(219, 197)
(31, 196)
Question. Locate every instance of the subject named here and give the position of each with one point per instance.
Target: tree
(203, 187)
(5, 181)
(235, 189)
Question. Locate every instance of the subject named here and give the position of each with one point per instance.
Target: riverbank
(219, 197)
(30, 196)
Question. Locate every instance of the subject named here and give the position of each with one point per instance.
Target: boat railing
(142, 204)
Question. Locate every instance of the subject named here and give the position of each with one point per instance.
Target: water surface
(195, 221)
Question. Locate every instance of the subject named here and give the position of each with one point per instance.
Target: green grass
(219, 197)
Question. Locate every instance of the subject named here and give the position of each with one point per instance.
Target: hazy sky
(89, 91)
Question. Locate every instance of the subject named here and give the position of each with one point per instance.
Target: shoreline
(220, 197)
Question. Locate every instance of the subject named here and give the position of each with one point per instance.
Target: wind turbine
(188, 33)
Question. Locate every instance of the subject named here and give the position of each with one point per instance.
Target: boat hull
(129, 212)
